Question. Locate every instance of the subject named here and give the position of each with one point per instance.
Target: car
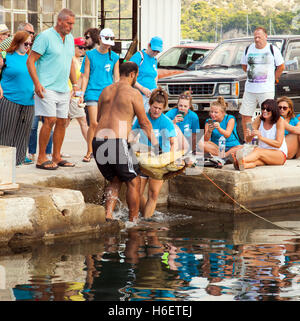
(221, 74)
(183, 57)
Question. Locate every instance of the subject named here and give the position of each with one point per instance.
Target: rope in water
(243, 207)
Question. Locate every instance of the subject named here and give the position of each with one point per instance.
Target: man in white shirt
(264, 64)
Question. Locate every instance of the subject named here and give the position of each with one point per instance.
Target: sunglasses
(266, 108)
(27, 44)
(30, 32)
(81, 47)
(184, 96)
(108, 38)
(283, 107)
(87, 37)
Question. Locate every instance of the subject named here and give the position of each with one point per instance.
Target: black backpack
(271, 49)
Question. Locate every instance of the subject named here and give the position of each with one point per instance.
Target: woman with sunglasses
(292, 126)
(75, 111)
(220, 124)
(165, 133)
(16, 97)
(269, 128)
(186, 120)
(100, 68)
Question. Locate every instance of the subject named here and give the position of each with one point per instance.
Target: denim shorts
(91, 103)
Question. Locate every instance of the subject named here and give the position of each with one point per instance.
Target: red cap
(79, 41)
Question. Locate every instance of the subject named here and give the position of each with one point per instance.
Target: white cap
(106, 32)
(3, 28)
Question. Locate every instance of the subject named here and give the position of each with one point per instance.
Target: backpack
(3, 54)
(142, 56)
(271, 49)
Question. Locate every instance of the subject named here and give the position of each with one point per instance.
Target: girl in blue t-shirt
(186, 120)
(100, 68)
(16, 97)
(165, 133)
(292, 126)
(222, 124)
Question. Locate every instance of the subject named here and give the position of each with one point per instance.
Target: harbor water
(177, 256)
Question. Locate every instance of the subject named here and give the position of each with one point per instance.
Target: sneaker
(64, 155)
(31, 156)
(27, 161)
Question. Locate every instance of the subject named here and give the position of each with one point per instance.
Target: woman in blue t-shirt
(187, 121)
(165, 133)
(16, 97)
(292, 126)
(222, 124)
(147, 62)
(100, 68)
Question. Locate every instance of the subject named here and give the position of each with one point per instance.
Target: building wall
(43, 13)
(160, 18)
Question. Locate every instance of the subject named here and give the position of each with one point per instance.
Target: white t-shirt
(261, 68)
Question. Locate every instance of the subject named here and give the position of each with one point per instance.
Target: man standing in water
(117, 106)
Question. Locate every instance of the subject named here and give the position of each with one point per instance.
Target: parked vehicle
(184, 57)
(221, 74)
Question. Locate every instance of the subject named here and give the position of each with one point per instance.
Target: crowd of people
(54, 78)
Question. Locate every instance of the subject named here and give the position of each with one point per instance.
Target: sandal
(43, 165)
(64, 163)
(87, 158)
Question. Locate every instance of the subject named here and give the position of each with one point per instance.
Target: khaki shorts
(54, 104)
(74, 110)
(251, 100)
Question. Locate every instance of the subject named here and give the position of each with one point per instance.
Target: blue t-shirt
(54, 65)
(147, 70)
(190, 123)
(163, 129)
(293, 122)
(16, 82)
(232, 140)
(101, 73)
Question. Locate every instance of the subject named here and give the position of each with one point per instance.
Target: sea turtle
(164, 166)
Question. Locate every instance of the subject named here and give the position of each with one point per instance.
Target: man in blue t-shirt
(50, 66)
(147, 78)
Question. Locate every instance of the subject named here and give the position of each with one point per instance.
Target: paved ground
(74, 145)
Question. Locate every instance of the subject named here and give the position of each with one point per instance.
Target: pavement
(74, 145)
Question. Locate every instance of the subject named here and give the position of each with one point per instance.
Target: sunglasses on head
(108, 38)
(268, 109)
(283, 107)
(27, 44)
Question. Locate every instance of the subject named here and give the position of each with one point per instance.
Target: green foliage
(204, 20)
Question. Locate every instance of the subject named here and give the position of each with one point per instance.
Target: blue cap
(156, 44)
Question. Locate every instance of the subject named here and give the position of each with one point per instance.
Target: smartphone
(210, 122)
(181, 113)
(249, 126)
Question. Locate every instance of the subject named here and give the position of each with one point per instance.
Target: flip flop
(235, 162)
(43, 165)
(63, 163)
(87, 159)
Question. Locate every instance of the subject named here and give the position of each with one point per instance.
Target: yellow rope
(243, 207)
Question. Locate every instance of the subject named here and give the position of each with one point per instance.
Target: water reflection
(200, 259)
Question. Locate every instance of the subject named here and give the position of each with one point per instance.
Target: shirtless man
(117, 106)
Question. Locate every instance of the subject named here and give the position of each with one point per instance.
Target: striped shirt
(5, 44)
